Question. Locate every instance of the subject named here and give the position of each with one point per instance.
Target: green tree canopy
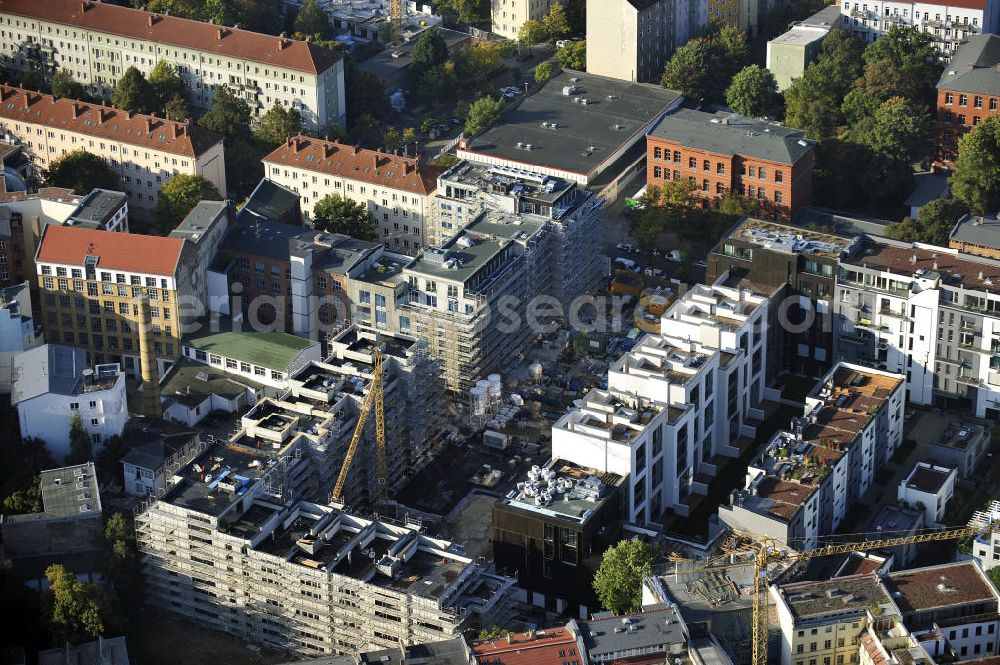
(933, 224)
(543, 71)
(228, 115)
(133, 92)
(80, 446)
(32, 80)
(81, 171)
(64, 85)
(430, 50)
(618, 581)
(556, 22)
(482, 113)
(166, 84)
(813, 102)
(76, 612)
(531, 32)
(900, 131)
(277, 125)
(179, 195)
(914, 55)
(392, 140)
(24, 501)
(313, 20)
(479, 60)
(689, 71)
(573, 56)
(470, 12)
(366, 92)
(975, 179)
(753, 92)
(220, 12)
(176, 109)
(438, 84)
(336, 214)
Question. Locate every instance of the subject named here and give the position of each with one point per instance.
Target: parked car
(701, 264)
(672, 255)
(628, 264)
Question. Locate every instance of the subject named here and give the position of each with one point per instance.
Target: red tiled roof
(171, 136)
(378, 168)
(139, 24)
(69, 245)
(50, 193)
(542, 648)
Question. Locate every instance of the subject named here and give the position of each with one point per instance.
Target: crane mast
(374, 398)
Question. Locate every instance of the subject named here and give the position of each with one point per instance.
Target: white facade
(986, 547)
(17, 330)
(510, 15)
(629, 43)
(930, 485)
(949, 24)
(273, 378)
(675, 402)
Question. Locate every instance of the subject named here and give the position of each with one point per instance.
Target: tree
(618, 581)
(64, 85)
(176, 109)
(430, 50)
(76, 612)
(336, 214)
(391, 139)
(753, 92)
(313, 20)
(479, 60)
(882, 80)
(573, 56)
(366, 92)
(409, 134)
(277, 125)
(32, 80)
(243, 167)
(494, 633)
(933, 224)
(20, 502)
(427, 124)
(179, 195)
(733, 51)
(556, 22)
(543, 71)
(81, 448)
(120, 549)
(482, 113)
(531, 32)
(438, 84)
(975, 179)
(689, 71)
(220, 12)
(81, 172)
(166, 84)
(913, 55)
(133, 92)
(900, 131)
(228, 115)
(813, 102)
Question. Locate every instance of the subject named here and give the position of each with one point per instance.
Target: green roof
(271, 350)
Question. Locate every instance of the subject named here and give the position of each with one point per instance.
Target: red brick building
(967, 93)
(725, 152)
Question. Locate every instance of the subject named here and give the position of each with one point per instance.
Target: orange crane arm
(374, 396)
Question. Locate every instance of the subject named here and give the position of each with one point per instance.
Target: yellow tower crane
(396, 17)
(765, 553)
(373, 398)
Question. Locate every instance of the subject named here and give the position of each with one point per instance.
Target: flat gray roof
(930, 186)
(733, 134)
(97, 208)
(975, 230)
(194, 225)
(653, 630)
(70, 491)
(855, 593)
(617, 113)
(190, 382)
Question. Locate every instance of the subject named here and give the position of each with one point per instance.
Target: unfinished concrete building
(227, 546)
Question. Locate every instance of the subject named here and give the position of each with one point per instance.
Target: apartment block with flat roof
(630, 39)
(143, 150)
(98, 41)
(397, 190)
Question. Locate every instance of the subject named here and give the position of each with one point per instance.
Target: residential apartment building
(977, 234)
(510, 15)
(397, 190)
(804, 264)
(804, 482)
(18, 330)
(630, 39)
(725, 152)
(98, 41)
(928, 313)
(552, 532)
(299, 576)
(143, 150)
(968, 91)
(91, 285)
(571, 216)
(53, 384)
(23, 218)
(677, 404)
(986, 546)
(949, 24)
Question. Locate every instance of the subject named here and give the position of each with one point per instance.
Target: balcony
(968, 379)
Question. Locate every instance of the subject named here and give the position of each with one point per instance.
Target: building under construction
(224, 547)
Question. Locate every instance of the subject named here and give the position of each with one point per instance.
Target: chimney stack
(328, 151)
(151, 407)
(178, 130)
(78, 110)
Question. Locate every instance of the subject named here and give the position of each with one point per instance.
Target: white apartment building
(928, 313)
(98, 41)
(226, 545)
(397, 190)
(53, 383)
(931, 486)
(18, 330)
(677, 403)
(986, 546)
(145, 151)
(630, 39)
(950, 24)
(804, 482)
(510, 15)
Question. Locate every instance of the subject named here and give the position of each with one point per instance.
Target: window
(949, 98)
(963, 100)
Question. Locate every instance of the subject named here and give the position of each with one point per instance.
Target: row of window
(720, 189)
(963, 100)
(720, 167)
